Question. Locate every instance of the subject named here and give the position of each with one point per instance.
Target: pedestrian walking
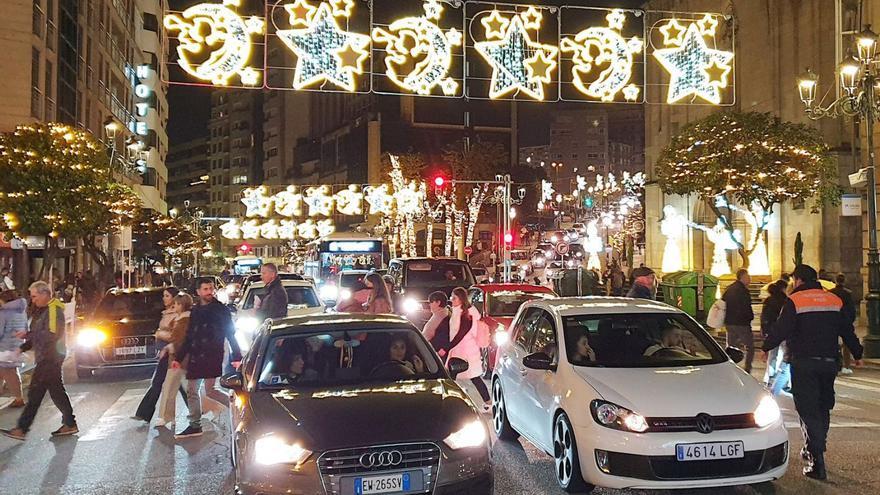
(811, 322)
(13, 322)
(739, 315)
(617, 279)
(183, 304)
(46, 338)
(644, 284)
(770, 310)
(849, 310)
(273, 304)
(379, 301)
(6, 280)
(147, 406)
(464, 344)
(210, 325)
(436, 329)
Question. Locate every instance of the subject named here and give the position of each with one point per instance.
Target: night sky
(190, 106)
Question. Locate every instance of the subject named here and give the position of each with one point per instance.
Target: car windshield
(321, 359)
(349, 280)
(639, 340)
(478, 272)
(121, 305)
(438, 274)
(506, 303)
(297, 297)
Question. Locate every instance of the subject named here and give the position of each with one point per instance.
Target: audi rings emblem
(386, 458)
(705, 423)
(130, 341)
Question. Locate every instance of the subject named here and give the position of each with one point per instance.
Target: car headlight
(767, 412)
(501, 335)
(90, 337)
(247, 324)
(329, 292)
(271, 450)
(410, 305)
(619, 418)
(344, 294)
(472, 435)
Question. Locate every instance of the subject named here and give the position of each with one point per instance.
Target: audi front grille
(334, 465)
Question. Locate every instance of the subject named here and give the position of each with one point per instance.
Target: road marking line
(119, 411)
(861, 379)
(792, 425)
(858, 386)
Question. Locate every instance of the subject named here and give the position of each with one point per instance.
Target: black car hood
(125, 327)
(351, 416)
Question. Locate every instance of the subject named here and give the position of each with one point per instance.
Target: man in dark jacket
(210, 323)
(46, 338)
(274, 302)
(643, 284)
(849, 310)
(739, 315)
(811, 322)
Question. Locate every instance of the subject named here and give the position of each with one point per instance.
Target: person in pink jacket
(464, 344)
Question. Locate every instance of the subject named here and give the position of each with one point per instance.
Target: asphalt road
(116, 455)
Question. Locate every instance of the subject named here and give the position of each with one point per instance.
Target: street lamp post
(858, 78)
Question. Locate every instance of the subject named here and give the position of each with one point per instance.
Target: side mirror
(735, 354)
(456, 366)
(539, 361)
(232, 381)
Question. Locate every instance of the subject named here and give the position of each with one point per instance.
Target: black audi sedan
(343, 404)
(120, 332)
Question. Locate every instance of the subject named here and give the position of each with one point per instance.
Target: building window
(36, 94)
(151, 23)
(272, 152)
(239, 179)
(38, 19)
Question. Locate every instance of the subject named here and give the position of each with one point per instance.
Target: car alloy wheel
(565, 455)
(499, 414)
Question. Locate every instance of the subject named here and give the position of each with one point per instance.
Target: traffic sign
(562, 248)
(468, 250)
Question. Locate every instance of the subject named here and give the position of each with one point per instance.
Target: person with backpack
(464, 330)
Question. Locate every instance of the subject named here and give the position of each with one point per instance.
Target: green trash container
(692, 292)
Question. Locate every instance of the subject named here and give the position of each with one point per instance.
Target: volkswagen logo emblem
(705, 423)
(386, 458)
(130, 341)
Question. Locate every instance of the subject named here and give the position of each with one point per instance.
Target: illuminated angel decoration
(287, 229)
(231, 229)
(269, 230)
(215, 43)
(307, 230)
(325, 227)
(250, 229)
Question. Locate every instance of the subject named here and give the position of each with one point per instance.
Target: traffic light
(508, 238)
(588, 202)
(439, 181)
(244, 248)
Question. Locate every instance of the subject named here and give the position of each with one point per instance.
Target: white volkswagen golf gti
(627, 393)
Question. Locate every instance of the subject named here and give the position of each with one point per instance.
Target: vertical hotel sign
(454, 49)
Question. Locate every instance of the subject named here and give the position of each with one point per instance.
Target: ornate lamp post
(858, 78)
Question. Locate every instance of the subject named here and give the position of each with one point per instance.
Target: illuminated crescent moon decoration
(428, 41)
(228, 42)
(613, 50)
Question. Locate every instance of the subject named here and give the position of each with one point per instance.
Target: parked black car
(119, 333)
(416, 278)
(334, 404)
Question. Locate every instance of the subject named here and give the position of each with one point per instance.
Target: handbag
(484, 335)
(715, 318)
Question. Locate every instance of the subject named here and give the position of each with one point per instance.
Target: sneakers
(815, 469)
(65, 430)
(15, 433)
(846, 371)
(16, 403)
(138, 418)
(190, 431)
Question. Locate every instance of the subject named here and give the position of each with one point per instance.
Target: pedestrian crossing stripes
(119, 411)
(794, 425)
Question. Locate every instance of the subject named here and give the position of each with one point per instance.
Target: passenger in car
(582, 352)
(399, 350)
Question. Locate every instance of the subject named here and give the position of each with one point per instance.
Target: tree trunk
(100, 258)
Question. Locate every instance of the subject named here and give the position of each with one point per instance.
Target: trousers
(194, 399)
(46, 378)
(12, 379)
(147, 407)
(812, 385)
(740, 336)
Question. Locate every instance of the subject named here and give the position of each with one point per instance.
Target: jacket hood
(339, 417)
(670, 392)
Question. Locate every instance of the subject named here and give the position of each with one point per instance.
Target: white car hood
(677, 392)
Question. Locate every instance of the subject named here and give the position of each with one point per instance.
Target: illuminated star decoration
(287, 229)
(518, 63)
(250, 229)
(673, 33)
(256, 201)
(301, 13)
(688, 66)
(231, 229)
(379, 199)
(319, 200)
(326, 53)
(349, 201)
(269, 230)
(707, 25)
(604, 46)
(223, 34)
(288, 203)
(325, 227)
(308, 229)
(428, 62)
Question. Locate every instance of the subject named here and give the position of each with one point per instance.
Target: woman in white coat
(464, 319)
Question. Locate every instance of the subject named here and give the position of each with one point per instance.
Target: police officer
(811, 322)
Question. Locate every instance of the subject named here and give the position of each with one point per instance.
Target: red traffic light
(508, 238)
(439, 181)
(244, 248)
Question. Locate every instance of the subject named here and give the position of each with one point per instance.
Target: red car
(498, 303)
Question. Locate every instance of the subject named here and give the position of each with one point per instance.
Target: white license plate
(389, 483)
(129, 351)
(709, 451)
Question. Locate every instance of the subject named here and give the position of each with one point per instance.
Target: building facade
(189, 175)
